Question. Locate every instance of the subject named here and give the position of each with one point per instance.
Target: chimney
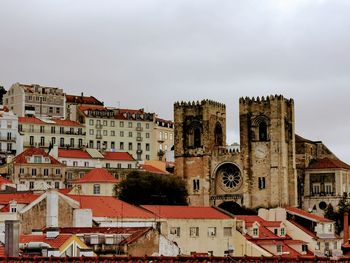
(11, 238)
(346, 228)
(51, 208)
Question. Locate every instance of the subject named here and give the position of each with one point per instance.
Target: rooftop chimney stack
(12, 238)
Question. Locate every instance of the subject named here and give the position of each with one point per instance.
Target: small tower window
(197, 137)
(218, 135)
(262, 131)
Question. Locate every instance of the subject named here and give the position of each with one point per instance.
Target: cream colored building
(96, 182)
(119, 130)
(34, 169)
(163, 138)
(44, 133)
(36, 100)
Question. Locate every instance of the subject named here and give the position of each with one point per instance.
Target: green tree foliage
(2, 93)
(156, 189)
(338, 216)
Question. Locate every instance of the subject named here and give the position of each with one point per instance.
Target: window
(31, 128)
(283, 231)
(42, 141)
(31, 140)
(121, 146)
(147, 125)
(69, 175)
(171, 136)
(108, 165)
(86, 164)
(42, 129)
(81, 174)
(160, 135)
(33, 172)
(80, 143)
(130, 146)
(195, 185)
(62, 142)
(91, 132)
(53, 141)
(255, 232)
(316, 188)
(57, 185)
(121, 124)
(96, 189)
(129, 166)
(261, 182)
(304, 248)
(91, 122)
(147, 147)
(13, 208)
(53, 129)
(91, 144)
(318, 246)
(61, 130)
(262, 131)
(279, 249)
(104, 132)
(211, 231)
(112, 123)
(335, 245)
(58, 171)
(175, 231)
(194, 231)
(104, 123)
(9, 146)
(130, 134)
(275, 231)
(31, 185)
(328, 188)
(165, 135)
(58, 110)
(21, 170)
(147, 134)
(147, 157)
(71, 142)
(197, 137)
(112, 133)
(46, 172)
(130, 124)
(227, 231)
(121, 134)
(119, 165)
(75, 163)
(112, 145)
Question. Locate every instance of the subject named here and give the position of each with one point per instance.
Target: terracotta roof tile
(4, 181)
(2, 251)
(53, 242)
(108, 206)
(21, 198)
(186, 212)
(97, 175)
(152, 169)
(83, 100)
(53, 121)
(327, 163)
(80, 154)
(304, 214)
(22, 158)
(118, 156)
(250, 219)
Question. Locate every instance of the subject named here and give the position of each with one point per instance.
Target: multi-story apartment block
(34, 169)
(35, 100)
(10, 140)
(122, 130)
(73, 102)
(44, 133)
(163, 138)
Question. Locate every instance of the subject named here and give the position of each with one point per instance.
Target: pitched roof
(299, 139)
(250, 219)
(91, 107)
(186, 212)
(22, 157)
(83, 100)
(80, 154)
(152, 169)
(328, 163)
(118, 156)
(56, 242)
(50, 121)
(309, 216)
(4, 181)
(97, 175)
(21, 198)
(108, 206)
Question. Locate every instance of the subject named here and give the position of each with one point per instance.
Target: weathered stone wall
(145, 246)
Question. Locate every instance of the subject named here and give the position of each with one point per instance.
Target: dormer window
(37, 159)
(13, 207)
(279, 249)
(255, 232)
(283, 231)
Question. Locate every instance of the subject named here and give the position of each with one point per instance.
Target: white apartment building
(163, 139)
(36, 100)
(44, 133)
(10, 140)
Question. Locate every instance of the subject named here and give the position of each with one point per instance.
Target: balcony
(138, 151)
(98, 126)
(139, 139)
(8, 139)
(98, 136)
(139, 129)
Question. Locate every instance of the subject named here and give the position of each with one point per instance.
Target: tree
(156, 189)
(2, 93)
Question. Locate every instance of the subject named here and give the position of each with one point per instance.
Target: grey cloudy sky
(148, 54)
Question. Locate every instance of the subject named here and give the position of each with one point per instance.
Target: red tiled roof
(250, 219)
(63, 153)
(2, 251)
(152, 169)
(21, 158)
(97, 175)
(186, 212)
(327, 163)
(102, 230)
(83, 100)
(310, 216)
(118, 156)
(304, 229)
(92, 107)
(108, 206)
(34, 120)
(56, 242)
(21, 198)
(4, 181)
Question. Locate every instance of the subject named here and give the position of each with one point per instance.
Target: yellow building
(163, 138)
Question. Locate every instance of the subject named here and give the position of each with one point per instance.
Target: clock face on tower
(261, 151)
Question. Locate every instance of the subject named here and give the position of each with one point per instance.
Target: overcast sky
(149, 54)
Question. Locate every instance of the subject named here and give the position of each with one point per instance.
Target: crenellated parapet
(181, 104)
(267, 99)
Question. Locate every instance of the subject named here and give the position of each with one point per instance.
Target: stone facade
(263, 173)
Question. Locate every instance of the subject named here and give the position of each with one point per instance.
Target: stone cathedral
(261, 173)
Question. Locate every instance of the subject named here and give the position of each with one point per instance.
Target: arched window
(262, 131)
(197, 137)
(218, 135)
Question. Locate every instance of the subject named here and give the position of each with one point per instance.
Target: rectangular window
(57, 185)
(75, 163)
(53, 141)
(316, 189)
(9, 146)
(31, 128)
(171, 136)
(211, 231)
(42, 129)
(61, 130)
(57, 110)
(175, 231)
(33, 172)
(58, 171)
(80, 143)
(335, 245)
(147, 125)
(112, 145)
(104, 132)
(147, 157)
(31, 140)
(165, 135)
(328, 188)
(104, 122)
(91, 131)
(255, 232)
(194, 231)
(96, 189)
(31, 185)
(121, 124)
(91, 122)
(112, 133)
(130, 146)
(61, 142)
(195, 183)
(112, 123)
(46, 172)
(53, 129)
(119, 165)
(129, 166)
(227, 231)
(108, 165)
(318, 245)
(147, 134)
(37, 159)
(121, 134)
(130, 124)
(130, 134)
(42, 141)
(304, 248)
(283, 231)
(261, 182)
(279, 249)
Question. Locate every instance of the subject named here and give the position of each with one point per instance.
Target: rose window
(229, 177)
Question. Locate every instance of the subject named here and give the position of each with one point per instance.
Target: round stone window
(229, 177)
